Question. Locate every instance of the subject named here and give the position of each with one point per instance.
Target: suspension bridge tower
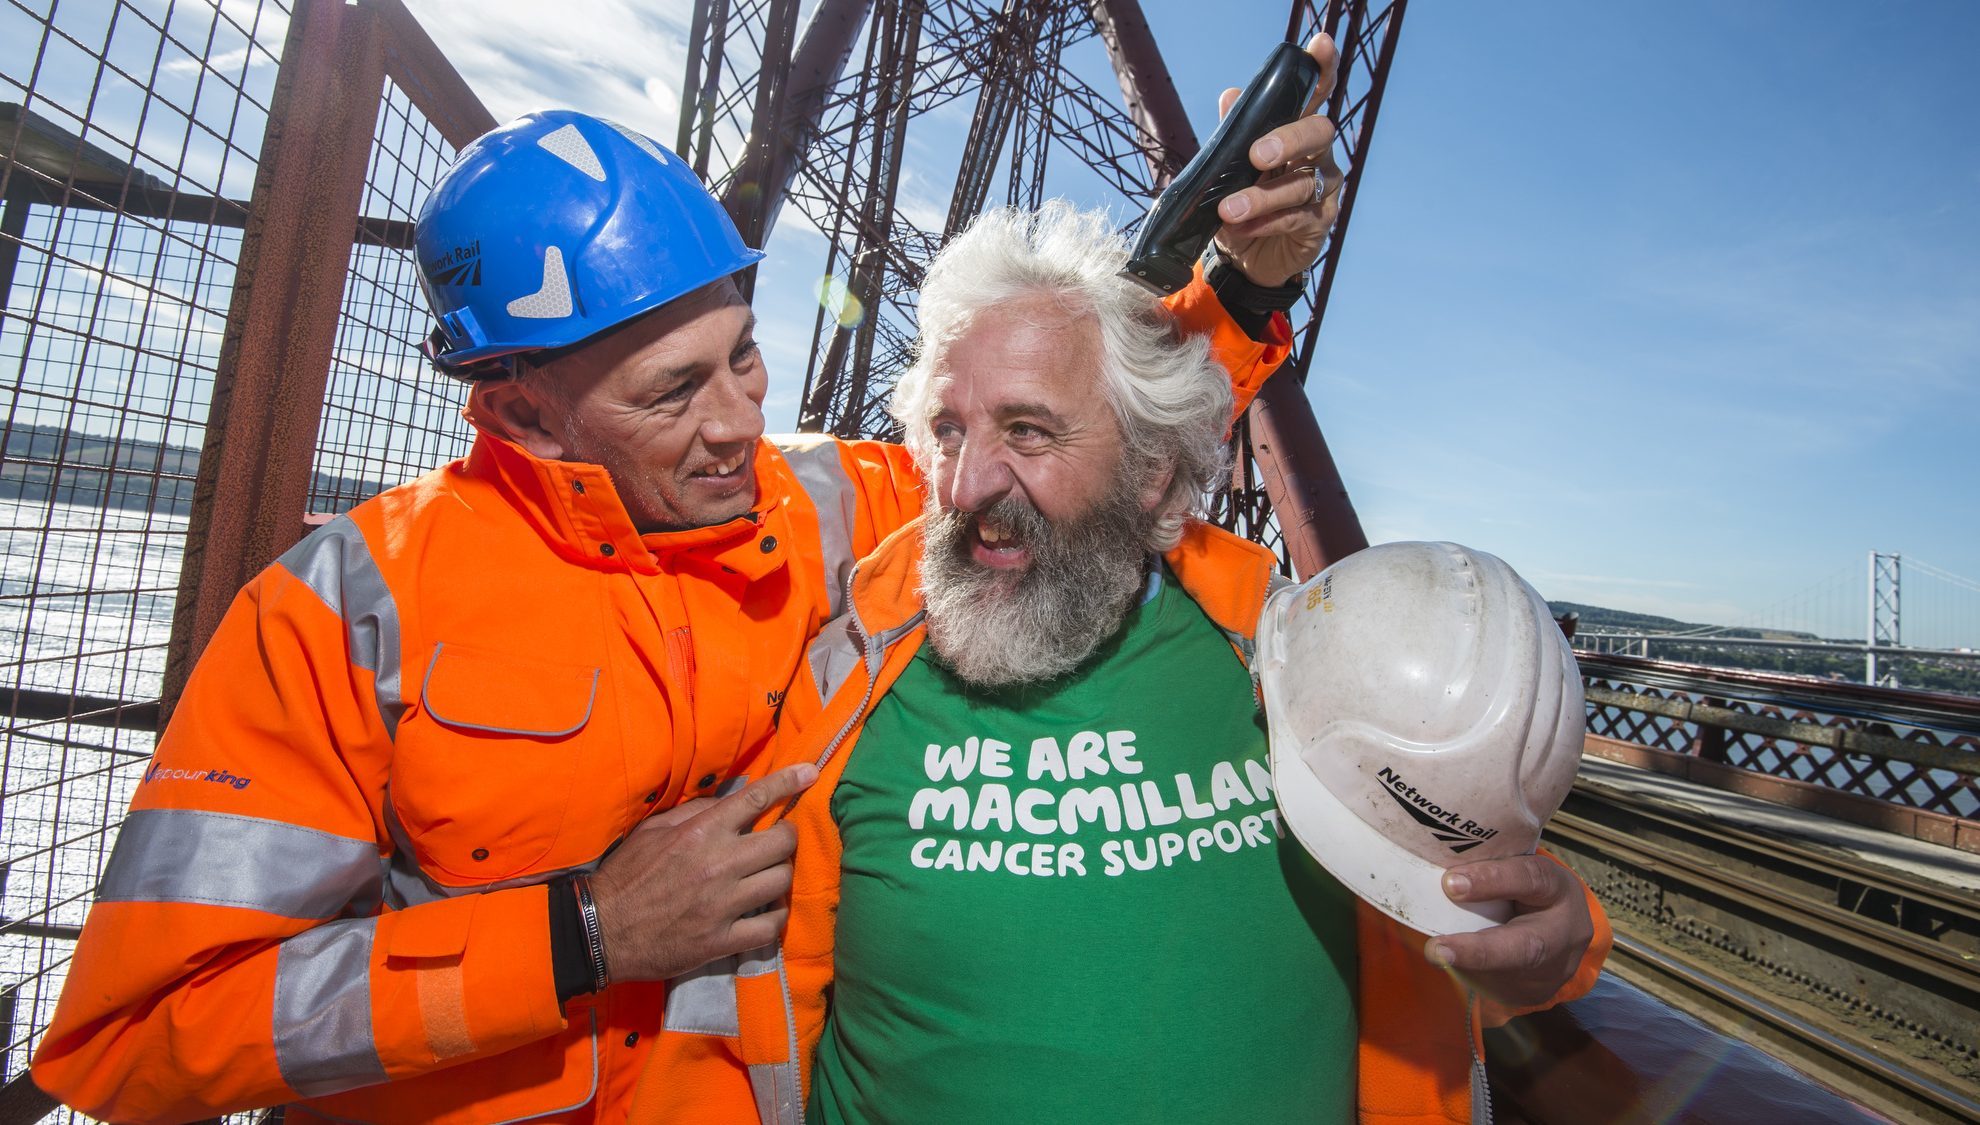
(1885, 620)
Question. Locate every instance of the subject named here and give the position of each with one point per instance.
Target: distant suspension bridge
(1935, 605)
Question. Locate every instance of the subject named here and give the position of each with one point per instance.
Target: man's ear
(522, 413)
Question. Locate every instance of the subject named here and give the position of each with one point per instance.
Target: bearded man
(1041, 877)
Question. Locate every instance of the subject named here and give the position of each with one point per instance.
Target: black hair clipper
(1184, 219)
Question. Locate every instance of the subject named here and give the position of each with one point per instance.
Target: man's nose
(982, 477)
(733, 416)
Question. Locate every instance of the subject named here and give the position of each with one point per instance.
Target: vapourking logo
(1447, 825)
(218, 777)
(459, 266)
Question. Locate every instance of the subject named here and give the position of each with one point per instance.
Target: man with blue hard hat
(486, 864)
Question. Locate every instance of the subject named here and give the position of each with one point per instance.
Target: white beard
(995, 629)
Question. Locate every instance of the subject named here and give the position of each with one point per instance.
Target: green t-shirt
(1075, 903)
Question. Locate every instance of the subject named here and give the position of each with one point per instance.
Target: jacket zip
(783, 978)
(1481, 1090)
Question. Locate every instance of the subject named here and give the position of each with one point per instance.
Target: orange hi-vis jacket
(1419, 1034)
(330, 886)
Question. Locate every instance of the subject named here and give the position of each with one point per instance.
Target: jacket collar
(1228, 576)
(577, 511)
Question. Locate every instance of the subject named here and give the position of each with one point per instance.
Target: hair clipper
(1184, 219)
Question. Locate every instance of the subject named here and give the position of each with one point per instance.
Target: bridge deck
(1952, 869)
(1845, 949)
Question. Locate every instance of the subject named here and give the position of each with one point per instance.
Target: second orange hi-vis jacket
(330, 887)
(1419, 1052)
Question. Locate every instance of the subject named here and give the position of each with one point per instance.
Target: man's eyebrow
(1036, 410)
(685, 371)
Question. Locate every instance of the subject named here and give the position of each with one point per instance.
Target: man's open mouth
(725, 468)
(997, 545)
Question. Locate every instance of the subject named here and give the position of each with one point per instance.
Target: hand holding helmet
(1426, 719)
(1525, 961)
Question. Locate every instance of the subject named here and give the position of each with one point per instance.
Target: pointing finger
(736, 812)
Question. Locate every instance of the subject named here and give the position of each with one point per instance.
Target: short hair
(1173, 403)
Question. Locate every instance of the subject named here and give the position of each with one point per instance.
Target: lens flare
(838, 301)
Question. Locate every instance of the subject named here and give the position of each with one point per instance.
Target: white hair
(1173, 403)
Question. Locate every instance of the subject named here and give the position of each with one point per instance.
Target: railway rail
(1860, 973)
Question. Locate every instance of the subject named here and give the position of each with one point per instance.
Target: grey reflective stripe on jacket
(222, 859)
(336, 563)
(323, 1035)
(776, 1088)
(815, 461)
(703, 1001)
(833, 655)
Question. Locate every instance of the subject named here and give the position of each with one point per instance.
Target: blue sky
(1674, 306)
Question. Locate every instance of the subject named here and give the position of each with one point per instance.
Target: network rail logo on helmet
(557, 227)
(460, 265)
(1434, 816)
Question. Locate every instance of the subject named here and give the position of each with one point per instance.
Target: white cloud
(615, 58)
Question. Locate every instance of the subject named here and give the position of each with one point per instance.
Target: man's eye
(948, 433)
(745, 354)
(679, 392)
(1025, 431)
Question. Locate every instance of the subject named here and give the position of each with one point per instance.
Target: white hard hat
(1425, 711)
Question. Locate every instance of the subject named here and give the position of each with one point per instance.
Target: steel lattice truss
(813, 124)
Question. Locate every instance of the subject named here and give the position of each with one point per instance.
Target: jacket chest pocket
(481, 779)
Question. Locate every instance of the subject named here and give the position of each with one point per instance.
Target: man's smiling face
(671, 405)
(1017, 411)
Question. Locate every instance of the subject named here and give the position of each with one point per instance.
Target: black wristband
(1249, 304)
(570, 960)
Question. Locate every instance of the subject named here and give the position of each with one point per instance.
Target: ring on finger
(1319, 186)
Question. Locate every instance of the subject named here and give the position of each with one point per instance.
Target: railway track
(1860, 974)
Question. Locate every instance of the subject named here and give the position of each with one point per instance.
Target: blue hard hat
(557, 226)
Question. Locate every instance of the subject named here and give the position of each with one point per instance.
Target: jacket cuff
(1250, 362)
(475, 974)
(570, 964)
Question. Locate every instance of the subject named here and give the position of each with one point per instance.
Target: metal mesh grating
(128, 132)
(376, 370)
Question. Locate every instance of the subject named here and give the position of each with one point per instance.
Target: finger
(1226, 100)
(1511, 948)
(680, 814)
(1322, 48)
(737, 811)
(1529, 880)
(757, 851)
(766, 888)
(1272, 195)
(1302, 142)
(756, 931)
